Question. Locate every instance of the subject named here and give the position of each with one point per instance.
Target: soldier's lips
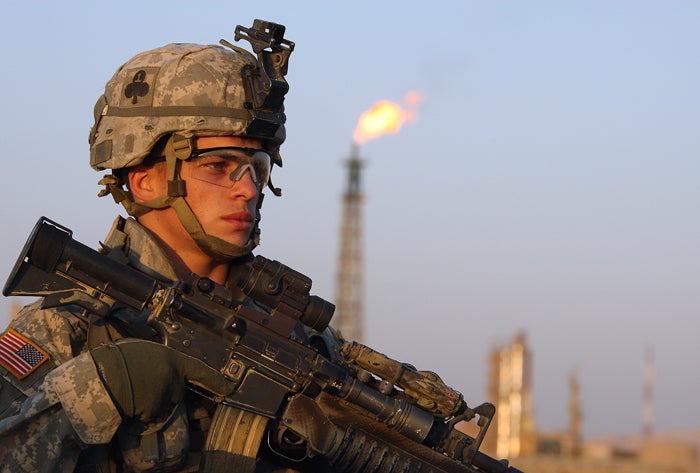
(239, 220)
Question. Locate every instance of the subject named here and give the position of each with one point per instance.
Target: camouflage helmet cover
(181, 91)
(191, 89)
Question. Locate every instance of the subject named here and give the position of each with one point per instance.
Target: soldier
(190, 134)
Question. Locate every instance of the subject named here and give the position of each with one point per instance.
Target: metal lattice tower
(573, 447)
(349, 315)
(648, 394)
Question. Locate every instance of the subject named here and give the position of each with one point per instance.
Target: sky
(549, 184)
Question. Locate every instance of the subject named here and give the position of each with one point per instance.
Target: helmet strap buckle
(177, 148)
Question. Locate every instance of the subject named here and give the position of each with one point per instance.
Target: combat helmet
(181, 91)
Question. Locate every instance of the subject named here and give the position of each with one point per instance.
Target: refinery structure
(513, 432)
(349, 315)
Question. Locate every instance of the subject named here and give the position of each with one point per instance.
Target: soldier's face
(224, 212)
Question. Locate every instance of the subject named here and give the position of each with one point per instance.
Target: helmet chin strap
(213, 246)
(179, 148)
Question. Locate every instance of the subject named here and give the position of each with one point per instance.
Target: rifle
(355, 407)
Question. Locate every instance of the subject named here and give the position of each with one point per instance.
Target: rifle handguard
(425, 387)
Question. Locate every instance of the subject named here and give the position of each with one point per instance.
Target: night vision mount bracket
(265, 85)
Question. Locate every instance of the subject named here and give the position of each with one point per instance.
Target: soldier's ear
(147, 182)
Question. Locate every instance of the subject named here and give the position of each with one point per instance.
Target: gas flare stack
(349, 315)
(383, 118)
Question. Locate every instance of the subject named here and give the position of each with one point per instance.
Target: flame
(386, 117)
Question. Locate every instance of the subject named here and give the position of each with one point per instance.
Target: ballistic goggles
(227, 165)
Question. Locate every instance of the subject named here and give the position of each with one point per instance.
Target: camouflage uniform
(61, 418)
(58, 415)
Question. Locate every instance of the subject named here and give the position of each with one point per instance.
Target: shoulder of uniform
(116, 237)
(143, 252)
(22, 361)
(36, 341)
(85, 399)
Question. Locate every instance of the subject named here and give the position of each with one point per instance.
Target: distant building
(512, 431)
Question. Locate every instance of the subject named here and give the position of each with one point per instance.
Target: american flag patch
(19, 355)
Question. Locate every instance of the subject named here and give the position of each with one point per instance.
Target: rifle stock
(360, 410)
